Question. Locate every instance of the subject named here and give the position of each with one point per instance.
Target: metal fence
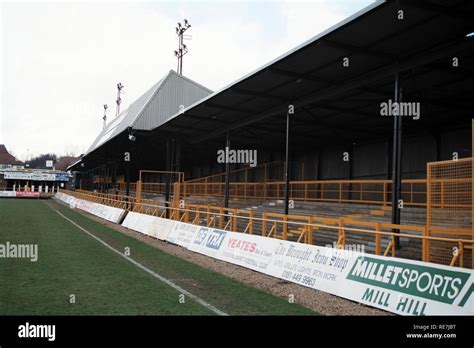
(449, 210)
(375, 237)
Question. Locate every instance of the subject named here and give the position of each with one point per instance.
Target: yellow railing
(341, 191)
(114, 200)
(298, 228)
(413, 191)
(449, 211)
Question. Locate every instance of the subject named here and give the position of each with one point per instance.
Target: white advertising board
(67, 199)
(397, 285)
(103, 211)
(34, 176)
(131, 221)
(182, 234)
(249, 251)
(405, 287)
(152, 226)
(161, 227)
(138, 222)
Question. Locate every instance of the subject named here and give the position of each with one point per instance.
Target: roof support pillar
(287, 160)
(115, 177)
(396, 162)
(168, 175)
(227, 172)
(128, 178)
(106, 170)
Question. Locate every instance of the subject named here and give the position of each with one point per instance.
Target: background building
(9, 161)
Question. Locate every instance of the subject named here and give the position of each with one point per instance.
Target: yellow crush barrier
(305, 229)
(340, 191)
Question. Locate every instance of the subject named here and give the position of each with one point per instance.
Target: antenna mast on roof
(105, 115)
(119, 100)
(182, 49)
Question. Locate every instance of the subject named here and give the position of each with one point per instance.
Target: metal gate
(153, 184)
(449, 211)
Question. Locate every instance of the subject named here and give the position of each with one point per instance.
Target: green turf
(71, 262)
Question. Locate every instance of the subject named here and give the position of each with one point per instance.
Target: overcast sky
(61, 61)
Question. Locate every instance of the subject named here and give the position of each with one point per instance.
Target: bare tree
(72, 151)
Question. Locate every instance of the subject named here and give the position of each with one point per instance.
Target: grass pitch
(70, 262)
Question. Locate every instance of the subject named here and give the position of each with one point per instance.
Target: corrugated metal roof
(334, 101)
(154, 107)
(298, 48)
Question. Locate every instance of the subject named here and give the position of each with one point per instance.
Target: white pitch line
(139, 265)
